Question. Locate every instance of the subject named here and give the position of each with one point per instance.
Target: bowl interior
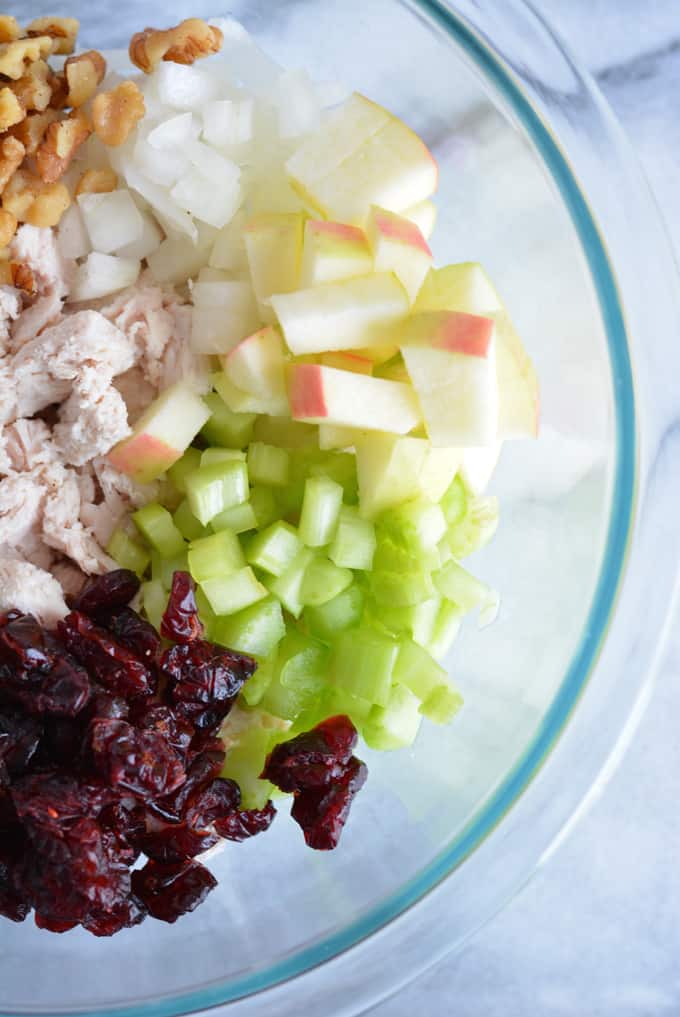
(279, 907)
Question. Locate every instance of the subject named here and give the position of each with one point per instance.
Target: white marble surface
(597, 931)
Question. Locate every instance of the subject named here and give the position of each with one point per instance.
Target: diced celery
(342, 612)
(424, 619)
(257, 629)
(245, 762)
(205, 612)
(445, 630)
(221, 455)
(289, 500)
(322, 581)
(256, 686)
(274, 548)
(264, 505)
(268, 464)
(233, 592)
(362, 664)
(212, 489)
(187, 523)
(417, 671)
(354, 543)
(154, 601)
(156, 526)
(454, 501)
(302, 676)
(320, 511)
(232, 430)
(401, 589)
(128, 553)
(286, 433)
(215, 556)
(287, 587)
(342, 468)
(416, 525)
(189, 462)
(475, 529)
(239, 518)
(396, 725)
(442, 705)
(460, 586)
(163, 569)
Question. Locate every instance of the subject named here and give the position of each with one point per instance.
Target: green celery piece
(287, 587)
(401, 589)
(212, 489)
(354, 544)
(340, 467)
(460, 586)
(215, 454)
(344, 611)
(190, 461)
(286, 433)
(289, 500)
(475, 529)
(256, 686)
(187, 523)
(416, 525)
(224, 428)
(158, 529)
(163, 569)
(205, 612)
(154, 601)
(445, 630)
(264, 505)
(231, 593)
(239, 518)
(256, 630)
(454, 501)
(320, 511)
(215, 556)
(417, 671)
(362, 664)
(396, 725)
(442, 705)
(268, 464)
(302, 676)
(323, 581)
(274, 549)
(128, 553)
(245, 762)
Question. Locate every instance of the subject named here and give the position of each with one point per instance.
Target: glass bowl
(539, 185)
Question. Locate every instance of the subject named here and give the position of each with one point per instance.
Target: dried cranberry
(176, 843)
(204, 767)
(241, 825)
(13, 904)
(19, 739)
(141, 762)
(169, 891)
(125, 915)
(128, 823)
(107, 707)
(163, 719)
(211, 802)
(180, 622)
(205, 677)
(103, 593)
(53, 924)
(112, 664)
(61, 742)
(24, 643)
(322, 814)
(314, 759)
(134, 632)
(55, 801)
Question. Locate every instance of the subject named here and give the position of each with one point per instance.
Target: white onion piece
(73, 239)
(161, 202)
(212, 164)
(101, 274)
(246, 62)
(163, 167)
(224, 314)
(178, 258)
(148, 241)
(229, 250)
(176, 131)
(228, 123)
(212, 203)
(187, 88)
(298, 104)
(112, 220)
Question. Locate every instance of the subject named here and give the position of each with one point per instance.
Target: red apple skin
(402, 230)
(465, 333)
(341, 230)
(143, 457)
(306, 392)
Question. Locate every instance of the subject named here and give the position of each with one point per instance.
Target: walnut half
(115, 113)
(63, 32)
(16, 56)
(12, 154)
(183, 44)
(30, 200)
(8, 227)
(9, 28)
(62, 140)
(84, 73)
(11, 110)
(34, 89)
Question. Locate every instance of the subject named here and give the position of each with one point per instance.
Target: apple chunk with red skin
(161, 435)
(326, 395)
(257, 364)
(398, 246)
(332, 251)
(450, 358)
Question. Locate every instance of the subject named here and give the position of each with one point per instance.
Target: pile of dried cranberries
(109, 749)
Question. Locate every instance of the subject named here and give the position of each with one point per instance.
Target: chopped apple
(389, 471)
(359, 312)
(463, 287)
(224, 314)
(333, 251)
(325, 395)
(257, 364)
(334, 436)
(517, 384)
(424, 215)
(239, 401)
(398, 246)
(274, 249)
(439, 468)
(478, 465)
(161, 435)
(362, 156)
(450, 358)
(349, 362)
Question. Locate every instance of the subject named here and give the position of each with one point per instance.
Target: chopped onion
(175, 131)
(198, 195)
(112, 220)
(101, 274)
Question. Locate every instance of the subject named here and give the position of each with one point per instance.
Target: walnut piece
(8, 227)
(31, 130)
(63, 32)
(9, 28)
(11, 110)
(34, 89)
(16, 56)
(34, 202)
(23, 278)
(62, 140)
(97, 181)
(115, 113)
(59, 88)
(84, 73)
(12, 154)
(183, 44)
(6, 277)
